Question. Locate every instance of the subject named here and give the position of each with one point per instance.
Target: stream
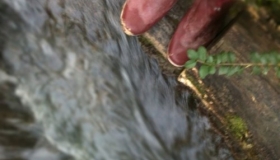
(74, 86)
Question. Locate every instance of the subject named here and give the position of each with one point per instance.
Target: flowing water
(89, 91)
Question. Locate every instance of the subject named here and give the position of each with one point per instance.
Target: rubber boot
(138, 16)
(197, 28)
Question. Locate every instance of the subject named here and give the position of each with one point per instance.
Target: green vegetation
(237, 126)
(225, 63)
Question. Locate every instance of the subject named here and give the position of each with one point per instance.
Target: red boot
(140, 15)
(197, 28)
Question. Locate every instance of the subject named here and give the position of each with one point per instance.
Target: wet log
(244, 109)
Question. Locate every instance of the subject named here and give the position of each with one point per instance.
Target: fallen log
(244, 109)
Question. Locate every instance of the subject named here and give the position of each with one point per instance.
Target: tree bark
(251, 100)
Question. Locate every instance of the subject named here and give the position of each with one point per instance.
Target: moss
(145, 41)
(149, 47)
(237, 126)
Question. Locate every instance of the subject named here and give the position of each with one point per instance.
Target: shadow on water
(79, 86)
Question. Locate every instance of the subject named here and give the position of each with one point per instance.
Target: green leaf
(203, 71)
(190, 64)
(233, 70)
(225, 57)
(278, 73)
(272, 59)
(202, 50)
(218, 59)
(202, 54)
(192, 54)
(263, 60)
(265, 70)
(223, 70)
(210, 60)
(231, 57)
(212, 70)
(255, 57)
(277, 57)
(240, 70)
(256, 70)
(277, 69)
